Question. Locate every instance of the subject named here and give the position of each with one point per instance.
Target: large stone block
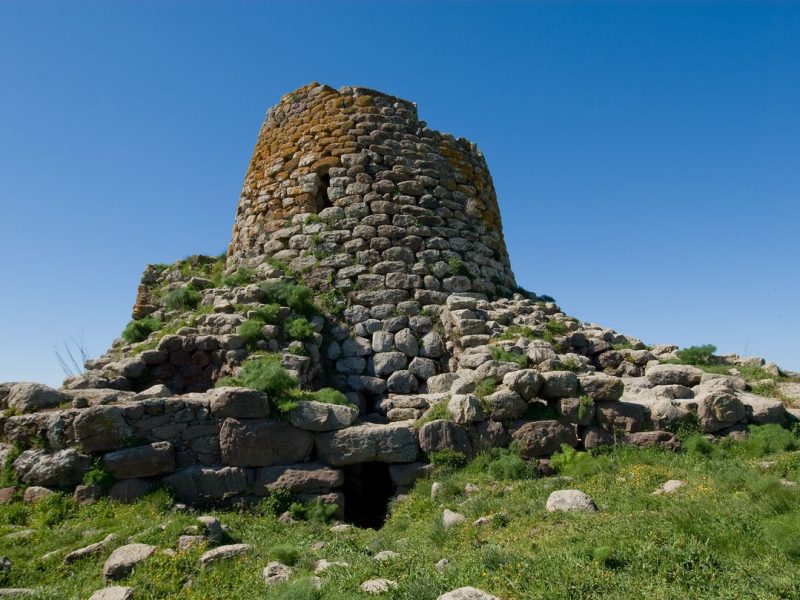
(542, 438)
(239, 403)
(444, 435)
(304, 477)
(142, 461)
(102, 428)
(263, 443)
(395, 442)
(63, 468)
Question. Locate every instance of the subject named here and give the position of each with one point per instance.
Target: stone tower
(351, 189)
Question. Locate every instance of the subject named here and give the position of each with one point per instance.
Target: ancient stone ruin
(364, 322)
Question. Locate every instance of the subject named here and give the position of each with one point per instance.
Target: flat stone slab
(115, 592)
(467, 593)
(223, 552)
(124, 559)
(89, 550)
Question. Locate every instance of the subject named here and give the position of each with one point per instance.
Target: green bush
(556, 327)
(266, 374)
(242, 276)
(51, 510)
(328, 396)
(299, 329)
(508, 465)
(697, 355)
(316, 511)
(766, 439)
(514, 332)
(297, 297)
(584, 404)
(573, 463)
(698, 445)
(449, 459)
(486, 387)
(288, 555)
(97, 475)
(251, 332)
(276, 502)
(182, 299)
(267, 313)
(140, 329)
(457, 266)
(8, 476)
(434, 413)
(503, 355)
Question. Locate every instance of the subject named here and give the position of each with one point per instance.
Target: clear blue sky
(646, 155)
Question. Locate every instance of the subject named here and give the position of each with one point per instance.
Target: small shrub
(228, 382)
(316, 510)
(250, 331)
(449, 459)
(434, 413)
(299, 329)
(328, 396)
(486, 387)
(182, 299)
(766, 439)
(697, 355)
(576, 464)
(698, 445)
(508, 465)
(97, 475)
(556, 327)
(457, 266)
(503, 355)
(514, 332)
(266, 374)
(288, 555)
(267, 313)
(242, 276)
(8, 476)
(568, 364)
(584, 404)
(276, 502)
(140, 329)
(601, 555)
(297, 297)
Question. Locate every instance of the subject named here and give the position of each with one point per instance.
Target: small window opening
(322, 199)
(368, 488)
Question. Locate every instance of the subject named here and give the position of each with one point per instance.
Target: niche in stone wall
(322, 200)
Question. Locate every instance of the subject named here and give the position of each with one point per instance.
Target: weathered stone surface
(128, 491)
(102, 428)
(114, 592)
(570, 501)
(263, 443)
(223, 552)
(122, 561)
(151, 460)
(451, 518)
(28, 397)
(378, 586)
(674, 374)
(718, 409)
(622, 416)
(239, 403)
(276, 572)
(444, 435)
(304, 477)
(465, 409)
(594, 437)
(395, 442)
(542, 438)
(387, 363)
(760, 410)
(601, 387)
(317, 416)
(89, 550)
(669, 487)
(467, 593)
(646, 439)
(487, 435)
(575, 410)
(87, 494)
(525, 382)
(63, 468)
(505, 405)
(35, 493)
(558, 384)
(406, 474)
(197, 484)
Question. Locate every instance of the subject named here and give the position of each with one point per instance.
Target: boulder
(151, 460)
(29, 397)
(718, 409)
(558, 384)
(487, 435)
(525, 382)
(128, 491)
(542, 438)
(304, 477)
(505, 405)
(318, 416)
(89, 550)
(669, 487)
(620, 416)
(276, 572)
(102, 428)
(263, 443)
(393, 442)
(646, 439)
(212, 528)
(570, 501)
(63, 468)
(387, 363)
(444, 435)
(114, 592)
(761, 410)
(222, 553)
(601, 387)
(378, 586)
(239, 403)
(575, 410)
(674, 375)
(122, 561)
(665, 414)
(422, 368)
(451, 519)
(594, 437)
(35, 493)
(467, 593)
(465, 408)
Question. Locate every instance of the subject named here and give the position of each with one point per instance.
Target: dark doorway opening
(322, 200)
(367, 490)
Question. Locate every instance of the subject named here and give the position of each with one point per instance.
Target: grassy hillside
(733, 531)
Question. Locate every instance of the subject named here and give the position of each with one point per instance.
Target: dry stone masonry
(395, 230)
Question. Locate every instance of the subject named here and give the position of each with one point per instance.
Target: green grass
(733, 531)
(457, 267)
(242, 276)
(502, 355)
(514, 332)
(182, 299)
(299, 329)
(297, 297)
(697, 355)
(486, 387)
